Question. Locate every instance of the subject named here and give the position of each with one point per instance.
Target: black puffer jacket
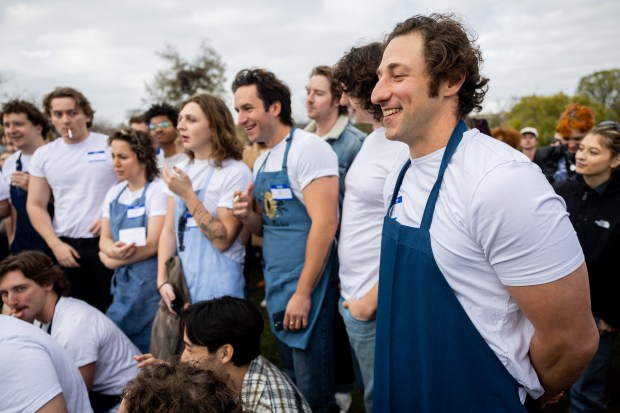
(596, 218)
(547, 159)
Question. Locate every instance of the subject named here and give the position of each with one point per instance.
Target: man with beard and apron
(27, 127)
(293, 205)
(474, 313)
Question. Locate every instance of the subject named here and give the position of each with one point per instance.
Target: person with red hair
(558, 162)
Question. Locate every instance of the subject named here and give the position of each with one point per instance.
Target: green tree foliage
(543, 112)
(182, 78)
(602, 87)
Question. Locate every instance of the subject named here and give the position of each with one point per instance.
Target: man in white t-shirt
(472, 305)
(363, 208)
(162, 120)
(32, 287)
(27, 127)
(38, 375)
(75, 171)
(293, 204)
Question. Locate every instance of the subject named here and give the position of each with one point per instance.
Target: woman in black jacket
(593, 201)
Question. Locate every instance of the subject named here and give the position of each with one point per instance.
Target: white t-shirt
(35, 369)
(232, 176)
(155, 203)
(309, 158)
(80, 175)
(10, 164)
(170, 161)
(90, 336)
(494, 221)
(5, 190)
(363, 209)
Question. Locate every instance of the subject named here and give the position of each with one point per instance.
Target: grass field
(269, 350)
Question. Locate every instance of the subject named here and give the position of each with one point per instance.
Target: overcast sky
(107, 49)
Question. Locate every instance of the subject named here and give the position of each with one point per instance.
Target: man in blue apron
(474, 313)
(27, 127)
(293, 205)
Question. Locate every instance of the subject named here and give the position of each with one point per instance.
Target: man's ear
(48, 287)
(452, 86)
(275, 108)
(226, 353)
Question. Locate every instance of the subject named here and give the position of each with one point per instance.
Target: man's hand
(147, 360)
(297, 310)
(65, 254)
(20, 180)
(242, 203)
(360, 309)
(167, 294)
(178, 181)
(95, 228)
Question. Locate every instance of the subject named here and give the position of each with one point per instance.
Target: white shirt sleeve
(4, 189)
(157, 199)
(312, 159)
(237, 178)
(37, 163)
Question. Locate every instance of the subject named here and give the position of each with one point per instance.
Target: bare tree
(182, 78)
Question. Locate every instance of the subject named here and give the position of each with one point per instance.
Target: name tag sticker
(399, 200)
(191, 222)
(129, 235)
(96, 156)
(136, 211)
(280, 192)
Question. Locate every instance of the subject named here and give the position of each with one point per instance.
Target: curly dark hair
(356, 71)
(34, 115)
(38, 267)
(334, 88)
(76, 95)
(179, 388)
(450, 54)
(270, 89)
(162, 109)
(142, 145)
(224, 141)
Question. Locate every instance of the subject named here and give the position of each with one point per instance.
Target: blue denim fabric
(312, 370)
(346, 147)
(587, 395)
(362, 338)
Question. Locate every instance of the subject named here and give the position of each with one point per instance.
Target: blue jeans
(312, 369)
(362, 338)
(587, 395)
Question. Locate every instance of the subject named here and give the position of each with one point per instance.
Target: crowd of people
(413, 260)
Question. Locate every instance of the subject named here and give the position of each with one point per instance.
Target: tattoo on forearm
(211, 227)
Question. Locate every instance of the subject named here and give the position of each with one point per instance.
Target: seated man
(37, 374)
(178, 388)
(32, 286)
(223, 335)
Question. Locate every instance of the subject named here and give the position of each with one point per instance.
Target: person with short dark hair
(223, 335)
(162, 119)
(76, 172)
(33, 287)
(132, 218)
(138, 122)
(178, 388)
(474, 313)
(293, 204)
(529, 141)
(27, 127)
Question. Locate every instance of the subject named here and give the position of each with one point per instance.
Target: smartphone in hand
(278, 320)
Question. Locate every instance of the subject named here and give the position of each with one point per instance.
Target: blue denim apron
(26, 237)
(429, 357)
(208, 272)
(286, 225)
(134, 286)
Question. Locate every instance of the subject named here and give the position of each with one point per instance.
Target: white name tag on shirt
(191, 222)
(129, 235)
(136, 211)
(280, 192)
(96, 156)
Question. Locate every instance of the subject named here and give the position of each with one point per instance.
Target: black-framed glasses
(163, 125)
(613, 123)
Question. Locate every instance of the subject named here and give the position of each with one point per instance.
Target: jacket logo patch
(602, 223)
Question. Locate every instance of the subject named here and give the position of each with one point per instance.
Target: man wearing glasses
(558, 162)
(75, 171)
(162, 121)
